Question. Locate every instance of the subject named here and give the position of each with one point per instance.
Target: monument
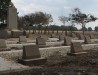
(12, 17)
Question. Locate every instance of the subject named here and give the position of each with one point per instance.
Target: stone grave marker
(76, 49)
(67, 41)
(31, 56)
(3, 46)
(16, 33)
(61, 37)
(40, 41)
(2, 43)
(45, 37)
(92, 36)
(4, 34)
(30, 52)
(74, 35)
(87, 40)
(81, 37)
(22, 39)
(52, 36)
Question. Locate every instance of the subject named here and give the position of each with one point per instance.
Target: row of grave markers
(31, 54)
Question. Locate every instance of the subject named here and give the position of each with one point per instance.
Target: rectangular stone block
(3, 46)
(61, 37)
(76, 49)
(22, 39)
(81, 37)
(52, 36)
(92, 36)
(45, 37)
(67, 41)
(30, 52)
(16, 33)
(2, 43)
(40, 41)
(31, 56)
(87, 40)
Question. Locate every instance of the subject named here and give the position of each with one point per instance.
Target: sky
(58, 8)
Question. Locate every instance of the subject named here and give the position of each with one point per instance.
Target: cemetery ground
(58, 62)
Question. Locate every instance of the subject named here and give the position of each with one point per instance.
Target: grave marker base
(36, 61)
(76, 54)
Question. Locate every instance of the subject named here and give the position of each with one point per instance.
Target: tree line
(43, 21)
(4, 4)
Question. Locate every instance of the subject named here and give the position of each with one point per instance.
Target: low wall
(20, 46)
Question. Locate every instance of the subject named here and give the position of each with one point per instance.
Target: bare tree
(81, 18)
(64, 19)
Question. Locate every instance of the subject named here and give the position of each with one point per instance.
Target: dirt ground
(86, 64)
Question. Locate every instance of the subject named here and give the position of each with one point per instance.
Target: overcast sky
(58, 8)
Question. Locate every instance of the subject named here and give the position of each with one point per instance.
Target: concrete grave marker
(92, 36)
(40, 41)
(16, 33)
(67, 41)
(87, 40)
(61, 37)
(52, 36)
(45, 37)
(30, 52)
(81, 37)
(31, 56)
(22, 39)
(76, 49)
(3, 46)
(2, 43)
(4, 34)
(74, 35)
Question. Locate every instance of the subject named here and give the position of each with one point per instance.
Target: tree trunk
(62, 31)
(41, 31)
(66, 32)
(57, 31)
(52, 31)
(83, 25)
(33, 31)
(45, 30)
(48, 31)
(29, 31)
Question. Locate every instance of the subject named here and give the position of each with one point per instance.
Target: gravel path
(9, 65)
